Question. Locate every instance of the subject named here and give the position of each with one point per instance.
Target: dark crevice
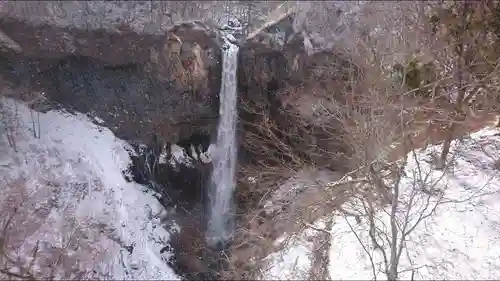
(183, 189)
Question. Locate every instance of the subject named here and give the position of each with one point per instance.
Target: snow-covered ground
(293, 262)
(459, 240)
(70, 197)
(70, 194)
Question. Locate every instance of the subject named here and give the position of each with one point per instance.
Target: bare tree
(414, 81)
(385, 112)
(414, 196)
(465, 29)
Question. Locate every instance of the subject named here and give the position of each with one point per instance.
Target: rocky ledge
(141, 67)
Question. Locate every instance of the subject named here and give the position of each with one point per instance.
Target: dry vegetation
(426, 73)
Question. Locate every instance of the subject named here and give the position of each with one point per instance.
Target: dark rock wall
(130, 102)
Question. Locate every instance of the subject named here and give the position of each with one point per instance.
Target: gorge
(249, 140)
(163, 80)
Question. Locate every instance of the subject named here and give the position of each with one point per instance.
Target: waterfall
(221, 214)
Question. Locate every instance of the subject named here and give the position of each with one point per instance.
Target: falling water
(221, 217)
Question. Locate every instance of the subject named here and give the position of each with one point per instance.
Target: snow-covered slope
(459, 240)
(72, 199)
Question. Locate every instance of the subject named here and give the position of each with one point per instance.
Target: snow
(293, 262)
(179, 156)
(73, 170)
(459, 240)
(289, 191)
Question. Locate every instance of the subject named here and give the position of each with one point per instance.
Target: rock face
(115, 32)
(131, 103)
(135, 65)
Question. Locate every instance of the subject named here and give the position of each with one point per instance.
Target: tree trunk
(441, 161)
(459, 79)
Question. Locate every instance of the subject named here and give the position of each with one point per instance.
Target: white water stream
(221, 214)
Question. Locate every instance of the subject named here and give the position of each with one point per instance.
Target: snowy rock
(206, 157)
(180, 156)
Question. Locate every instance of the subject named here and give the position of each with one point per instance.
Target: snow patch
(288, 191)
(207, 156)
(294, 262)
